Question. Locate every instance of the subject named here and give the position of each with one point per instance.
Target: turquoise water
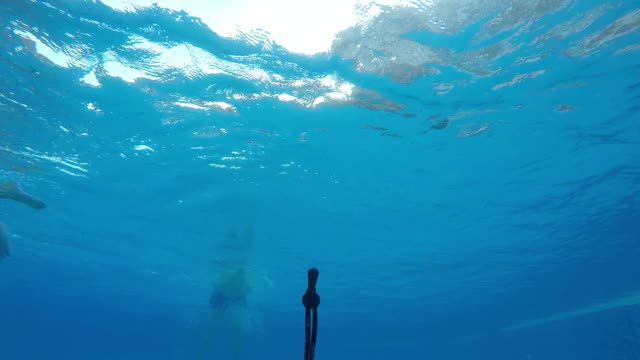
(464, 175)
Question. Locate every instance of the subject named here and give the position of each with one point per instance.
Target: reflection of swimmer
(228, 303)
(12, 191)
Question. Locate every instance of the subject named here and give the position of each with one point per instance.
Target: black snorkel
(311, 301)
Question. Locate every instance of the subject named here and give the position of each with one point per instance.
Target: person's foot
(12, 190)
(4, 241)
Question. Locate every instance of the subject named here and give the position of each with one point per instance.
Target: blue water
(488, 208)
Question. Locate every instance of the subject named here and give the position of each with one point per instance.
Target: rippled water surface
(464, 174)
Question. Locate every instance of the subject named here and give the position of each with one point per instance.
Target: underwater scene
(337, 179)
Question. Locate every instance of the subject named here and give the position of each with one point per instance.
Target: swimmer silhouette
(13, 191)
(228, 306)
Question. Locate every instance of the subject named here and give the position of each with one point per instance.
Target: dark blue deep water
(464, 174)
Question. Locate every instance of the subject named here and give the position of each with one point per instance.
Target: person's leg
(12, 190)
(4, 241)
(212, 329)
(237, 342)
(240, 327)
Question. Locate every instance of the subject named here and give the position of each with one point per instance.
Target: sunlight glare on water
(301, 26)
